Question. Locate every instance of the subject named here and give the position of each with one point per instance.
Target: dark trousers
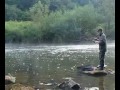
(101, 58)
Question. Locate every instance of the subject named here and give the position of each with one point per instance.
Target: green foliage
(59, 21)
(14, 13)
(15, 31)
(38, 11)
(25, 4)
(11, 12)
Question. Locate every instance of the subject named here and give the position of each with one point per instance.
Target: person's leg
(101, 57)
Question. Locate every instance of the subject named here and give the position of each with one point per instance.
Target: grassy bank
(29, 32)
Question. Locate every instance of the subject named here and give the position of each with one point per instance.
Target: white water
(56, 49)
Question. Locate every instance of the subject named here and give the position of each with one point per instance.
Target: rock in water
(110, 71)
(70, 84)
(9, 79)
(92, 88)
(96, 72)
(91, 70)
(20, 87)
(86, 68)
(48, 84)
(62, 85)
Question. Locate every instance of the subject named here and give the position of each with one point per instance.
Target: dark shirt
(102, 43)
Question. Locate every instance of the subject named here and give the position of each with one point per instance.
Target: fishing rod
(89, 40)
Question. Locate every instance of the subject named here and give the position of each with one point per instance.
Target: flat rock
(94, 71)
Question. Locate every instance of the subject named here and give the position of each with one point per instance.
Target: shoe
(99, 68)
(104, 66)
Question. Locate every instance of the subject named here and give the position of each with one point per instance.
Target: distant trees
(14, 13)
(58, 21)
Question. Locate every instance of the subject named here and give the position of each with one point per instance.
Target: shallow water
(37, 64)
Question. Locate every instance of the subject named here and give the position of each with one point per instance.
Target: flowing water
(37, 64)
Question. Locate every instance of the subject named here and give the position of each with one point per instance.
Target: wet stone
(69, 85)
(18, 87)
(91, 70)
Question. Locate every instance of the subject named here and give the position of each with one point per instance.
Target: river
(35, 64)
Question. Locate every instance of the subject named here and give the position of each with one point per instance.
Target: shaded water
(33, 65)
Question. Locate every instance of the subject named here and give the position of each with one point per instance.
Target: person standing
(101, 40)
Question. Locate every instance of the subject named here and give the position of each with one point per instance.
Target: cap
(100, 30)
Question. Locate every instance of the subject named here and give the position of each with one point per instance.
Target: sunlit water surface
(36, 64)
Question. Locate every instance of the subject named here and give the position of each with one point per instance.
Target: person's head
(100, 31)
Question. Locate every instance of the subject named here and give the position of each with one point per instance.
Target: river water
(37, 64)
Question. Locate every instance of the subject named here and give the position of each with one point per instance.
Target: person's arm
(96, 40)
(101, 40)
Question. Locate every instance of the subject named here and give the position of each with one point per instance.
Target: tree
(25, 4)
(107, 9)
(38, 11)
(14, 13)
(11, 12)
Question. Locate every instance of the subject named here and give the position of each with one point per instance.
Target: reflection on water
(34, 65)
(101, 83)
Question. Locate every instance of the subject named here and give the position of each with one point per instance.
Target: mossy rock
(18, 87)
